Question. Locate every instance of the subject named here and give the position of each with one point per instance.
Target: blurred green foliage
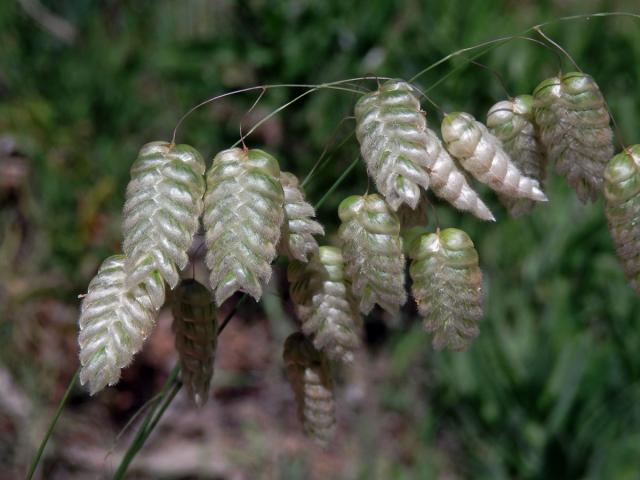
(551, 389)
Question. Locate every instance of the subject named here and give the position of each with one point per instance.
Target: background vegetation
(551, 389)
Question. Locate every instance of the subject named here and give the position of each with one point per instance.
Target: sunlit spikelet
(372, 250)
(310, 378)
(324, 304)
(391, 129)
(299, 227)
(574, 128)
(447, 286)
(162, 212)
(481, 154)
(511, 121)
(195, 329)
(622, 207)
(115, 319)
(243, 217)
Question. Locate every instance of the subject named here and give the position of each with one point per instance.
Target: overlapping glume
(244, 211)
(482, 155)
(447, 286)
(323, 302)
(115, 319)
(162, 212)
(195, 328)
(511, 121)
(299, 227)
(391, 129)
(622, 207)
(372, 250)
(310, 378)
(574, 128)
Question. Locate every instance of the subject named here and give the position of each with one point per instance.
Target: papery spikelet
(195, 328)
(391, 129)
(162, 211)
(449, 183)
(574, 128)
(511, 121)
(299, 227)
(323, 303)
(447, 286)
(310, 378)
(372, 250)
(243, 217)
(622, 207)
(115, 319)
(482, 155)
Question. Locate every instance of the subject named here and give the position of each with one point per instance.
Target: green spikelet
(391, 129)
(372, 250)
(195, 328)
(243, 217)
(310, 378)
(574, 128)
(115, 319)
(447, 286)
(622, 207)
(162, 212)
(511, 121)
(322, 300)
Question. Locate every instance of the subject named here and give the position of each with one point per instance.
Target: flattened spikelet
(622, 207)
(115, 319)
(299, 227)
(391, 129)
(162, 211)
(574, 128)
(243, 217)
(195, 328)
(511, 121)
(372, 250)
(311, 382)
(323, 303)
(447, 286)
(481, 154)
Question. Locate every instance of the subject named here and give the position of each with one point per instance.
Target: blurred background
(550, 389)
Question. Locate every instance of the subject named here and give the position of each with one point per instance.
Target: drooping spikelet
(195, 328)
(447, 286)
(482, 155)
(243, 217)
(622, 207)
(372, 250)
(391, 129)
(511, 121)
(449, 183)
(574, 128)
(115, 319)
(162, 212)
(324, 304)
(310, 378)
(299, 227)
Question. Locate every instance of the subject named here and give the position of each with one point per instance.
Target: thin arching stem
(539, 31)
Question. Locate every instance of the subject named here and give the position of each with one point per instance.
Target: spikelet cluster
(243, 217)
(447, 286)
(622, 207)
(574, 128)
(299, 227)
(322, 301)
(372, 250)
(482, 155)
(391, 129)
(195, 328)
(311, 382)
(115, 319)
(511, 121)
